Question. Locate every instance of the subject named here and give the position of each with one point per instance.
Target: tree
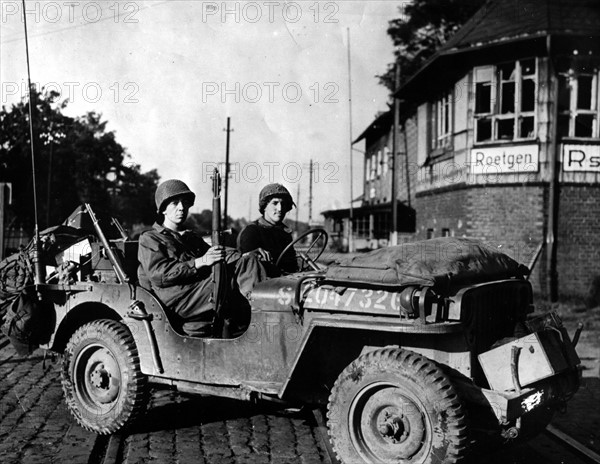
(424, 26)
(77, 160)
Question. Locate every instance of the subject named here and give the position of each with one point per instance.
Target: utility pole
(310, 194)
(226, 174)
(351, 210)
(394, 231)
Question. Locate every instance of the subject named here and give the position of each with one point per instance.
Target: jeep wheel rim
(97, 378)
(386, 424)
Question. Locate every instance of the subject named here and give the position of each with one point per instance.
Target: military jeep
(413, 350)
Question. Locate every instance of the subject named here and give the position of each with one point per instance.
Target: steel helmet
(274, 190)
(169, 189)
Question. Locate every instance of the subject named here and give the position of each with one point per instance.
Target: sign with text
(582, 158)
(505, 159)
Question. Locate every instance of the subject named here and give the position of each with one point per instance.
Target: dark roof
(510, 27)
(366, 209)
(382, 124)
(406, 214)
(500, 20)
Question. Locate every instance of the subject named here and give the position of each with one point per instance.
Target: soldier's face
(274, 211)
(176, 211)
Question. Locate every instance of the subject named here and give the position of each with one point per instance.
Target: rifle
(219, 271)
(110, 254)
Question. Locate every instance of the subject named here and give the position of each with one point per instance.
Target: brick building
(499, 139)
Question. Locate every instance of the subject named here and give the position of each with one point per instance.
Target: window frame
(495, 115)
(441, 122)
(572, 77)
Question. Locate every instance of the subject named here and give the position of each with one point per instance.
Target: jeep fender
(331, 343)
(79, 304)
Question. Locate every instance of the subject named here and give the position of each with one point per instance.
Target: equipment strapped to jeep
(16, 272)
(437, 263)
(17, 305)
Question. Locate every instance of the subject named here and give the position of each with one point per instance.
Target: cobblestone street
(35, 427)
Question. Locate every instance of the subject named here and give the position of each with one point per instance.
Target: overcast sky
(166, 75)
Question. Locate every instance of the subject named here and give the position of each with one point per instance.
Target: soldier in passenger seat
(176, 263)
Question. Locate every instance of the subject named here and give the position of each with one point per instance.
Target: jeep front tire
(101, 378)
(393, 405)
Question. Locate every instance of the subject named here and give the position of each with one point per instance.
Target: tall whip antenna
(39, 269)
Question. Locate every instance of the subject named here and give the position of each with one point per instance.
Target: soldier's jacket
(273, 238)
(167, 268)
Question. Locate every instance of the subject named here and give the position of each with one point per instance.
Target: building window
(379, 163)
(505, 101)
(371, 167)
(386, 160)
(381, 226)
(441, 122)
(338, 226)
(361, 227)
(578, 104)
(429, 233)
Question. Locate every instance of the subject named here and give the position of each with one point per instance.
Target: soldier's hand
(212, 256)
(263, 255)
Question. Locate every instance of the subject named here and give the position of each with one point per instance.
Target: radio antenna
(39, 269)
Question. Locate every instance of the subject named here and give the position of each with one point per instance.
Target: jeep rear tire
(101, 378)
(393, 405)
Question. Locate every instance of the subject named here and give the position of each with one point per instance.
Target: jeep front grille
(490, 312)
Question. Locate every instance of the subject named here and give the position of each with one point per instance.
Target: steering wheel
(319, 232)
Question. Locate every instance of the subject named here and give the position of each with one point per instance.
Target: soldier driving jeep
(176, 263)
(268, 236)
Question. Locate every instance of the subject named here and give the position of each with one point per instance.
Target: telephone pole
(394, 231)
(351, 210)
(226, 186)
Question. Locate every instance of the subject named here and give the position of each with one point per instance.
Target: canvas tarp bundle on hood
(437, 262)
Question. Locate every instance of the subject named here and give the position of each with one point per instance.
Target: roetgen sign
(505, 159)
(582, 158)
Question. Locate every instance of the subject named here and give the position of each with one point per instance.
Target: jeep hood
(438, 262)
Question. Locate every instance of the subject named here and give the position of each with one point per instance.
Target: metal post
(553, 172)
(394, 234)
(351, 211)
